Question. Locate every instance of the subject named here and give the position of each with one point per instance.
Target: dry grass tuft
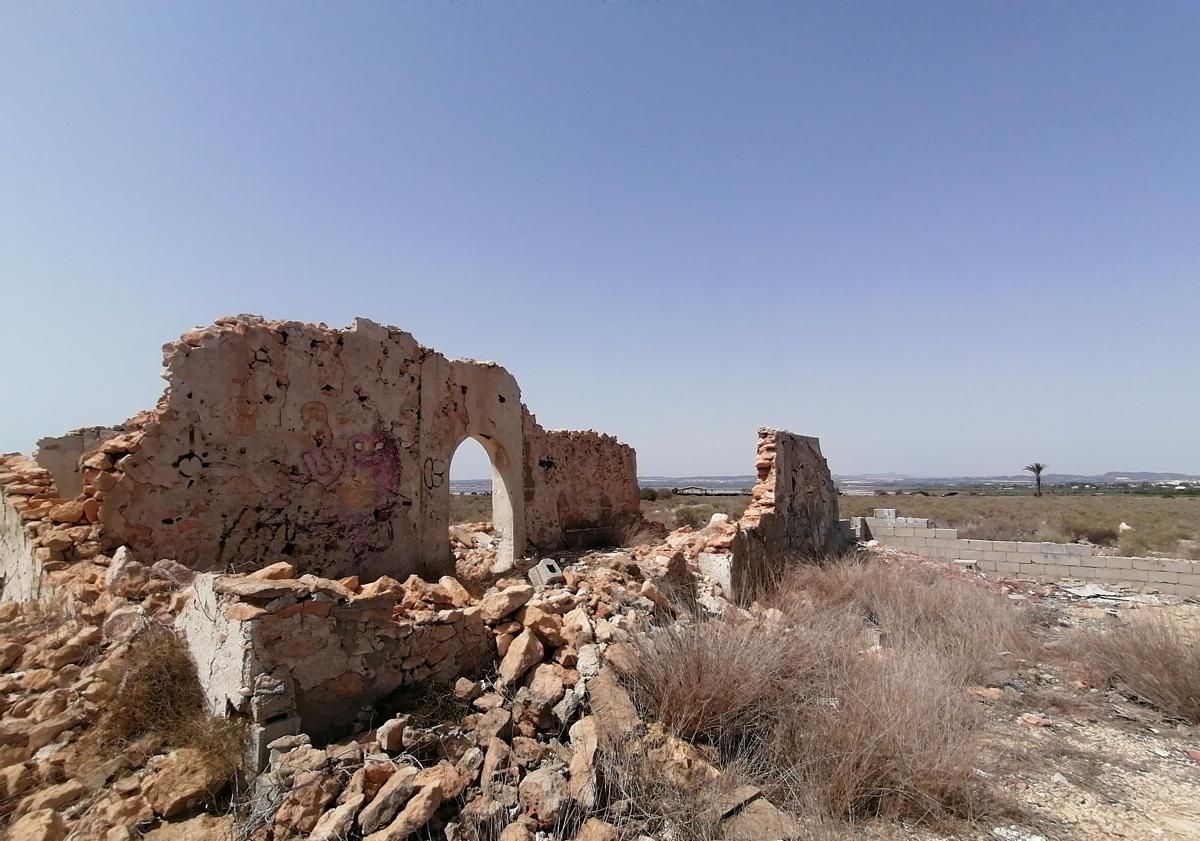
(160, 705)
(894, 739)
(915, 607)
(637, 531)
(720, 680)
(855, 706)
(1154, 660)
(642, 793)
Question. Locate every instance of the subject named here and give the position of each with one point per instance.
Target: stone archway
(502, 515)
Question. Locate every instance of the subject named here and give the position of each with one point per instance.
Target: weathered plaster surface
(331, 448)
(20, 571)
(577, 486)
(310, 653)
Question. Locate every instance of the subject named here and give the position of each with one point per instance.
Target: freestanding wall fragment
(793, 513)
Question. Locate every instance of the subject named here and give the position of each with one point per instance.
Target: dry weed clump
(914, 607)
(722, 682)
(1154, 660)
(636, 531)
(641, 791)
(854, 706)
(893, 739)
(159, 705)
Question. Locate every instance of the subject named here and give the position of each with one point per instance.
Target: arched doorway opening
(478, 494)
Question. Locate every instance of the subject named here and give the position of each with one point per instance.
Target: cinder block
(952, 534)
(1057, 571)
(1189, 579)
(1163, 577)
(1053, 549)
(1147, 563)
(1135, 575)
(1007, 568)
(904, 531)
(1115, 563)
(981, 545)
(970, 554)
(985, 566)
(993, 555)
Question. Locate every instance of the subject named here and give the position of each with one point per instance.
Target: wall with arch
(280, 440)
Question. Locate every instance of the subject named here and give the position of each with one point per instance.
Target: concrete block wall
(1036, 561)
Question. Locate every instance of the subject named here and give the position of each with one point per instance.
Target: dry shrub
(893, 739)
(827, 722)
(1077, 529)
(159, 705)
(717, 680)
(635, 530)
(1154, 659)
(913, 607)
(640, 794)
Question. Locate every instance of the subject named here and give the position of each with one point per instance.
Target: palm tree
(1036, 469)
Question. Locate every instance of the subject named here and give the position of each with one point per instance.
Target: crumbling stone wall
(310, 653)
(577, 488)
(793, 512)
(331, 448)
(61, 455)
(289, 440)
(41, 534)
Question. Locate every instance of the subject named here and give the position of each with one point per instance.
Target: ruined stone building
(331, 449)
(286, 507)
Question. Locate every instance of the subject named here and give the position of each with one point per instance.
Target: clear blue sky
(944, 237)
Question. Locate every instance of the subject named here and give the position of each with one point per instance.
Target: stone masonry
(793, 516)
(329, 448)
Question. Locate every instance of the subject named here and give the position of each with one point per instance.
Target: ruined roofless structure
(285, 507)
(279, 440)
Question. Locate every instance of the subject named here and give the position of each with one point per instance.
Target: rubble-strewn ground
(563, 739)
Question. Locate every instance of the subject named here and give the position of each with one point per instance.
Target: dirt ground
(1078, 763)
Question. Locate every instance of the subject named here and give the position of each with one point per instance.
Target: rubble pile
(517, 752)
(475, 551)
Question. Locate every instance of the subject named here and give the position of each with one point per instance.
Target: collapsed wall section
(580, 487)
(308, 654)
(61, 455)
(793, 511)
(41, 534)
